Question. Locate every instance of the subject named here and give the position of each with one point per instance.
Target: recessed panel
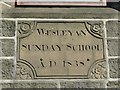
(60, 49)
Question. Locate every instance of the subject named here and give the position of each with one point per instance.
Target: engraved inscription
(60, 49)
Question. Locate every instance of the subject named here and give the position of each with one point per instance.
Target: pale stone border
(44, 19)
(58, 3)
(110, 57)
(105, 49)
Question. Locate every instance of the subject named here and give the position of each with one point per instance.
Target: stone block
(6, 85)
(114, 68)
(113, 47)
(65, 13)
(8, 48)
(7, 28)
(113, 84)
(87, 84)
(30, 85)
(7, 69)
(0, 10)
(0, 28)
(113, 28)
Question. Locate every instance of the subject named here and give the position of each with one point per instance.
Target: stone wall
(104, 74)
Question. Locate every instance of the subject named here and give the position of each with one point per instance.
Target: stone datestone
(30, 85)
(7, 68)
(87, 84)
(113, 47)
(114, 68)
(113, 84)
(113, 28)
(8, 28)
(8, 48)
(62, 49)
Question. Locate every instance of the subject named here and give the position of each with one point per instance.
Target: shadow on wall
(115, 4)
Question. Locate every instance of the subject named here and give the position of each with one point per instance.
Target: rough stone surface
(89, 84)
(0, 17)
(56, 12)
(113, 47)
(0, 10)
(0, 49)
(46, 85)
(0, 27)
(7, 47)
(114, 68)
(8, 28)
(113, 84)
(7, 68)
(30, 85)
(6, 85)
(113, 28)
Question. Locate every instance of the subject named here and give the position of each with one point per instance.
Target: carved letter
(64, 63)
(70, 32)
(44, 47)
(23, 45)
(39, 31)
(59, 48)
(51, 63)
(41, 61)
(80, 32)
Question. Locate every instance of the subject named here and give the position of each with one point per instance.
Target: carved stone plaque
(50, 49)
